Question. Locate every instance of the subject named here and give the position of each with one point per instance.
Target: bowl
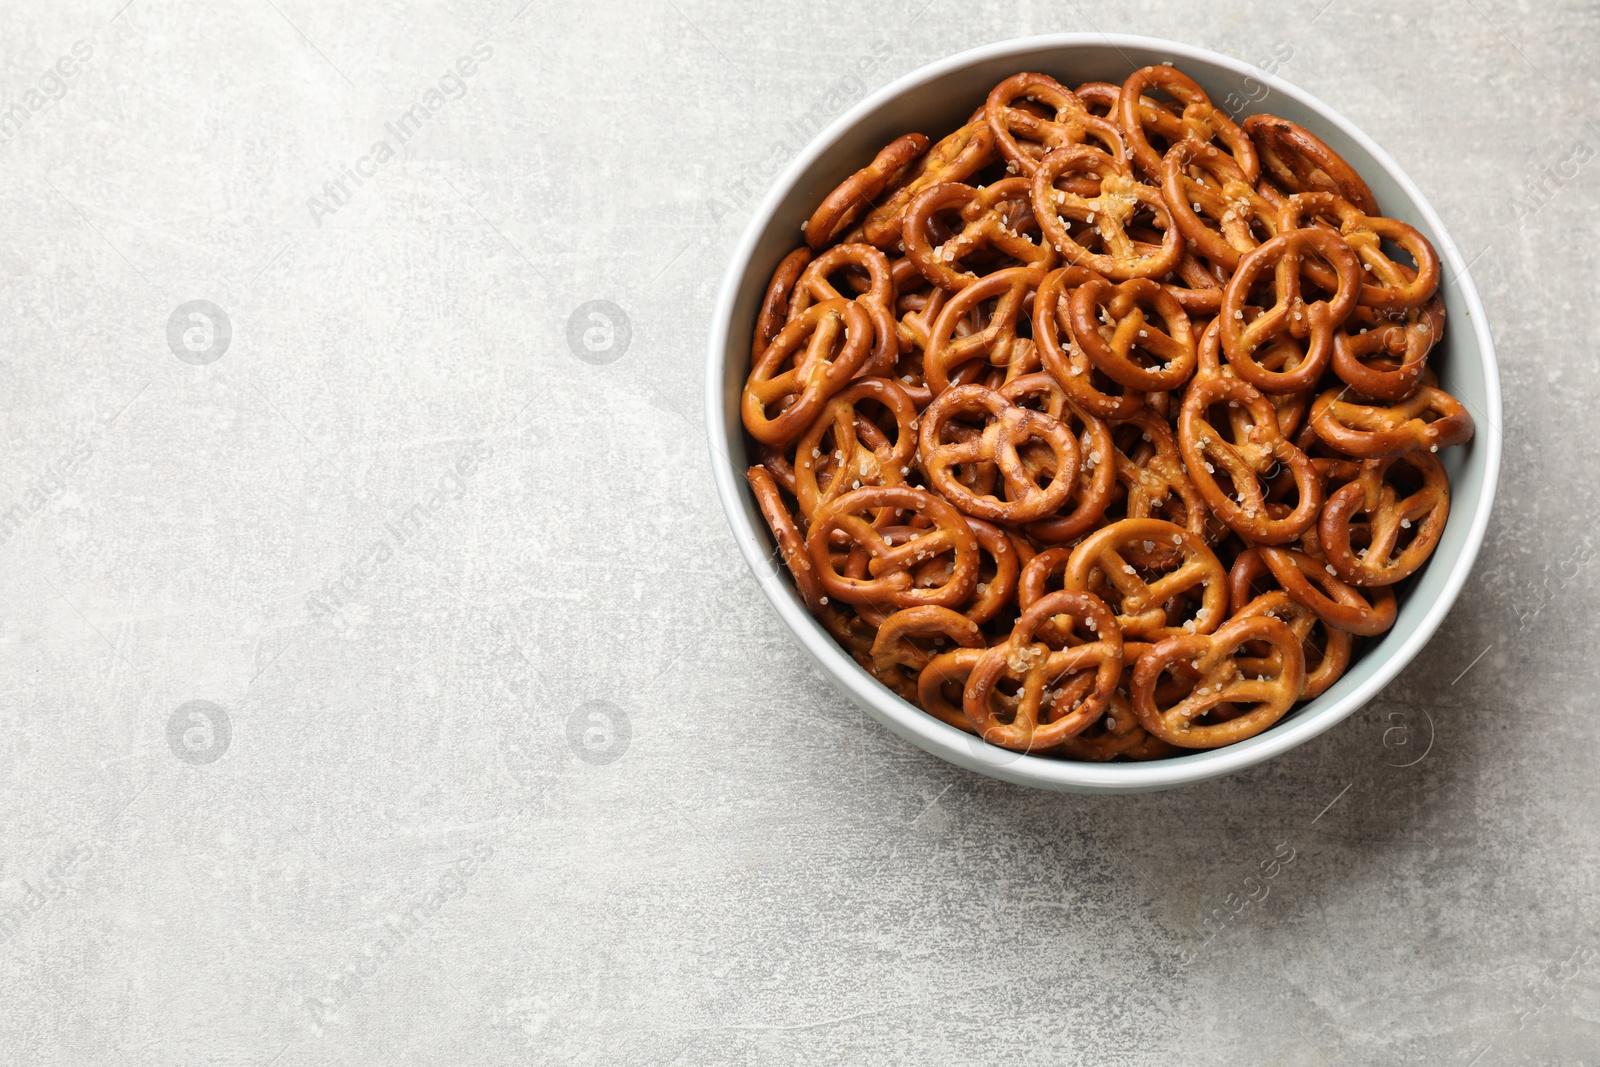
(938, 98)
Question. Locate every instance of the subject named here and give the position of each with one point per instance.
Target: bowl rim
(964, 749)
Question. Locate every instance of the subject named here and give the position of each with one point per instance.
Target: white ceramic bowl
(935, 100)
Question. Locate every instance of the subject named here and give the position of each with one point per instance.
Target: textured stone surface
(519, 768)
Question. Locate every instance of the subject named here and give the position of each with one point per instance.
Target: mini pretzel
(1099, 565)
(1107, 215)
(1257, 447)
(1299, 162)
(851, 462)
(1008, 428)
(1380, 561)
(1152, 472)
(1200, 121)
(991, 220)
(1431, 419)
(1325, 664)
(775, 305)
(1071, 124)
(1110, 324)
(1290, 320)
(836, 336)
(877, 296)
(954, 159)
(889, 581)
(1096, 475)
(1243, 217)
(1062, 691)
(942, 683)
(1337, 603)
(840, 208)
(1384, 358)
(996, 342)
(1221, 682)
(1392, 286)
(897, 656)
(1067, 363)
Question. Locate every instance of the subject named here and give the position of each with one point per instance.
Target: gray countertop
(499, 756)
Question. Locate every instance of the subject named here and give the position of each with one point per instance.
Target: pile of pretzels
(1103, 428)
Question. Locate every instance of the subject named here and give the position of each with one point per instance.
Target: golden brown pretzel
(1299, 162)
(1064, 360)
(840, 207)
(1222, 682)
(1070, 124)
(992, 219)
(1199, 121)
(1429, 419)
(1383, 357)
(850, 462)
(1148, 608)
(1315, 584)
(775, 305)
(1392, 286)
(870, 280)
(1111, 325)
(1290, 322)
(1257, 447)
(1008, 428)
(954, 159)
(900, 652)
(1061, 690)
(1422, 511)
(889, 579)
(996, 341)
(1107, 215)
(1200, 182)
(822, 348)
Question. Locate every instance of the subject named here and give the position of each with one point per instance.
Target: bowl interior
(936, 100)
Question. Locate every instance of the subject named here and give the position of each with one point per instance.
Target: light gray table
(502, 757)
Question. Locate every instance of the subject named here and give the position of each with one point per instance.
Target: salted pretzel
(991, 220)
(1390, 286)
(1060, 690)
(1325, 648)
(775, 305)
(1103, 427)
(1061, 356)
(1298, 161)
(870, 269)
(840, 208)
(852, 460)
(1306, 329)
(1223, 680)
(1024, 138)
(1371, 553)
(1009, 427)
(969, 333)
(1429, 419)
(954, 159)
(1096, 473)
(1383, 356)
(1256, 446)
(905, 643)
(1148, 607)
(1199, 121)
(1317, 585)
(1136, 332)
(1201, 182)
(1107, 215)
(822, 350)
(889, 580)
